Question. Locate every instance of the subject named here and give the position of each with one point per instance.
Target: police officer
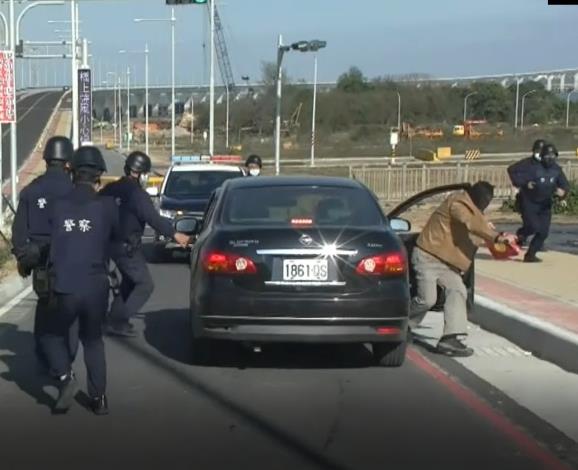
(31, 233)
(517, 169)
(83, 228)
(136, 210)
(539, 179)
(253, 165)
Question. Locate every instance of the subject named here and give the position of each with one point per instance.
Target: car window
(302, 205)
(196, 184)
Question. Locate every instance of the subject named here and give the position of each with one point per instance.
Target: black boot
(68, 387)
(99, 405)
(531, 258)
(452, 346)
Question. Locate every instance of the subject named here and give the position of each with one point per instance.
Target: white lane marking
(20, 118)
(15, 301)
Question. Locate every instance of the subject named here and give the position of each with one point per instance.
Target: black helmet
(254, 159)
(58, 148)
(90, 157)
(139, 162)
(538, 145)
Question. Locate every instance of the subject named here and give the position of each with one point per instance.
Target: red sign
(7, 87)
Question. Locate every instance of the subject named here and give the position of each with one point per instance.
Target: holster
(133, 244)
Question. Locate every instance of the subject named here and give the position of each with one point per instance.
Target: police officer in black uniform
(31, 233)
(515, 170)
(83, 229)
(539, 181)
(253, 165)
(136, 210)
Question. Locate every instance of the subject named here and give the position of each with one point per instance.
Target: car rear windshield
(196, 184)
(302, 206)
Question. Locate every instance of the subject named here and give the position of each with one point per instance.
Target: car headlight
(169, 214)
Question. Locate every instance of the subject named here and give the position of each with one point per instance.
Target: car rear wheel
(202, 351)
(389, 354)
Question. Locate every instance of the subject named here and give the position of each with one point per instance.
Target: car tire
(389, 354)
(202, 351)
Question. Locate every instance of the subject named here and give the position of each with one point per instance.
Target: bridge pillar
(562, 82)
(549, 81)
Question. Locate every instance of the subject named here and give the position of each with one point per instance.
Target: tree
(352, 81)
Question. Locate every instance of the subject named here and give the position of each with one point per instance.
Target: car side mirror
(400, 225)
(153, 191)
(187, 225)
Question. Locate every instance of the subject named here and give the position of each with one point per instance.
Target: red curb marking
(527, 444)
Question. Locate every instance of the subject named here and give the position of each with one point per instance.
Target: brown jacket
(448, 233)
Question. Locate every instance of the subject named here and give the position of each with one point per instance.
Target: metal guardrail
(399, 183)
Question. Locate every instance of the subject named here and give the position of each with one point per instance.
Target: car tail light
(386, 264)
(388, 330)
(228, 263)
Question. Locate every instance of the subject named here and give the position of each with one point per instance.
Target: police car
(188, 185)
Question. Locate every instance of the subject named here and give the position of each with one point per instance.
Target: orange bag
(503, 250)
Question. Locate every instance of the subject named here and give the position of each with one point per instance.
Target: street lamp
(14, 30)
(301, 46)
(523, 103)
(568, 107)
(398, 111)
(466, 104)
(314, 46)
(115, 105)
(146, 54)
(172, 21)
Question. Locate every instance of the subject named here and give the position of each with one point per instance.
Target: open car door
(409, 236)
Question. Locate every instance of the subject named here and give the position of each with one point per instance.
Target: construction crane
(222, 52)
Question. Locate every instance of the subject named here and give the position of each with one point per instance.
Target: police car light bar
(227, 159)
(178, 159)
(181, 159)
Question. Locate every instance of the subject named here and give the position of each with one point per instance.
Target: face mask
(254, 172)
(548, 161)
(537, 156)
(143, 179)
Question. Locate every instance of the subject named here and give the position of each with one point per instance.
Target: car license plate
(305, 270)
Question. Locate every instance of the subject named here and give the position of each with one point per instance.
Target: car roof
(268, 181)
(197, 167)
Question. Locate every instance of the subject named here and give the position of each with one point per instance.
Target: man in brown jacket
(445, 250)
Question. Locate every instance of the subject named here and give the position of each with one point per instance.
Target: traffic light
(186, 2)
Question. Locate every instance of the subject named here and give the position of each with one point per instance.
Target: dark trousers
(43, 316)
(135, 289)
(89, 306)
(536, 220)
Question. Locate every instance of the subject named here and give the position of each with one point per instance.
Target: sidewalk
(533, 305)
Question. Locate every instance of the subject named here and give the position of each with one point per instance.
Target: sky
(381, 37)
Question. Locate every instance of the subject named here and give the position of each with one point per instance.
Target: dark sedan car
(299, 259)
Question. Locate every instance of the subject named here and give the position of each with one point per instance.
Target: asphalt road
(33, 114)
(289, 407)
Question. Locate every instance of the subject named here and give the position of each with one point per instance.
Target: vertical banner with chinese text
(84, 106)
(7, 88)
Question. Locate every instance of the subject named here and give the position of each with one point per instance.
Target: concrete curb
(543, 339)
